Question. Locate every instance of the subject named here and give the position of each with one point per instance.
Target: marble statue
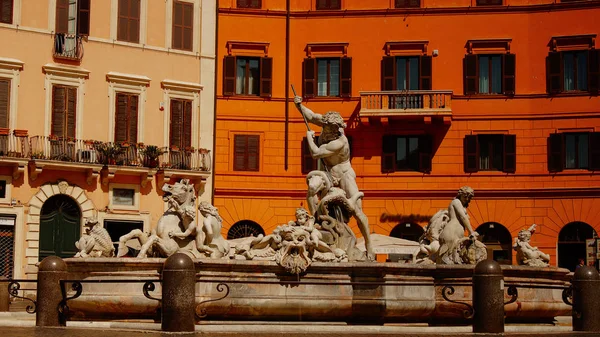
(179, 218)
(526, 254)
(293, 245)
(208, 235)
(444, 242)
(333, 149)
(95, 242)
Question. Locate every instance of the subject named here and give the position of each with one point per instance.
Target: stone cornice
(130, 79)
(181, 86)
(11, 64)
(65, 71)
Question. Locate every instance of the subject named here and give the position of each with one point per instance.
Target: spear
(305, 121)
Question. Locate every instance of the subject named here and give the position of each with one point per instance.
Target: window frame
(407, 4)
(471, 74)
(136, 196)
(129, 19)
(12, 6)
(66, 111)
(310, 77)
(555, 72)
(325, 5)
(472, 157)
(82, 17)
(248, 4)
(184, 4)
(557, 152)
(186, 91)
(129, 84)
(244, 166)
(424, 153)
(183, 143)
(7, 112)
(265, 71)
(389, 72)
(484, 3)
(129, 138)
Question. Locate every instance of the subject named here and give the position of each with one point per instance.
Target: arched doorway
(243, 229)
(571, 243)
(60, 226)
(497, 240)
(407, 231)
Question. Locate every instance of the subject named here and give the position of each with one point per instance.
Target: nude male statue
(333, 149)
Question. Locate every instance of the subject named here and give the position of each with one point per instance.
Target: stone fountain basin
(258, 291)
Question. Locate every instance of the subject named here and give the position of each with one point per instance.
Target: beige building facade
(101, 103)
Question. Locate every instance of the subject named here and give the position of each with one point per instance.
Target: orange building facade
(498, 95)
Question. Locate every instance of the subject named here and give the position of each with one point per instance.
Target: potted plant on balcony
(150, 153)
(109, 153)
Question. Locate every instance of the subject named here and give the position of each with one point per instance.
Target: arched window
(571, 244)
(408, 231)
(243, 229)
(497, 240)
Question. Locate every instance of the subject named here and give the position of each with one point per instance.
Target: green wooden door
(60, 221)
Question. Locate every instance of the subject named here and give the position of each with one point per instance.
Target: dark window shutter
(556, 156)
(594, 71)
(309, 75)
(408, 3)
(425, 153)
(58, 111)
(471, 153)
(229, 75)
(239, 152)
(188, 26)
(346, 77)
(388, 73)
(308, 162)
(62, 16)
(471, 77)
(388, 154)
(4, 102)
(121, 118)
(83, 17)
(554, 79)
(187, 124)
(176, 121)
(510, 153)
(508, 75)
(425, 73)
(6, 11)
(594, 151)
(128, 26)
(183, 14)
(253, 149)
(71, 111)
(266, 76)
(133, 118)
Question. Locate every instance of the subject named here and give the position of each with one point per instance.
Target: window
(408, 3)
(73, 17)
(126, 118)
(329, 4)
(489, 2)
(490, 153)
(579, 150)
(64, 105)
(249, 4)
(6, 11)
(4, 102)
(181, 123)
(183, 21)
(406, 73)
(489, 74)
(308, 162)
(244, 229)
(2, 189)
(128, 24)
(246, 152)
(118, 228)
(247, 76)
(406, 153)
(327, 77)
(577, 70)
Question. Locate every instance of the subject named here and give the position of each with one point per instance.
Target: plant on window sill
(109, 153)
(150, 154)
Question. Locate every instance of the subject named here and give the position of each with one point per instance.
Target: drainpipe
(287, 81)
(212, 198)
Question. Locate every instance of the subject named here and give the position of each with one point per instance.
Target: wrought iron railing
(68, 46)
(186, 159)
(407, 101)
(13, 143)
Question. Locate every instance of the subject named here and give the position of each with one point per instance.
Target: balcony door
(60, 227)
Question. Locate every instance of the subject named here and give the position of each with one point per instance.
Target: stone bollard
(178, 294)
(52, 269)
(4, 297)
(488, 297)
(586, 296)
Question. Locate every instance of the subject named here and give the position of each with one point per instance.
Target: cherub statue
(526, 254)
(95, 242)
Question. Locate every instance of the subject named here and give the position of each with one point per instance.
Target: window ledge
(181, 86)
(329, 99)
(11, 64)
(137, 80)
(65, 71)
(245, 97)
(484, 96)
(573, 94)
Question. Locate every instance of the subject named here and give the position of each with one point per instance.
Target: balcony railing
(68, 46)
(405, 103)
(119, 154)
(14, 143)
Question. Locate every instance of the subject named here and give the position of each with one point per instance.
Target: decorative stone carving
(208, 238)
(95, 242)
(293, 246)
(444, 242)
(179, 219)
(333, 149)
(62, 186)
(526, 254)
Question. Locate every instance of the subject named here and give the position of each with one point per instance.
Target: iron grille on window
(6, 250)
(408, 3)
(244, 229)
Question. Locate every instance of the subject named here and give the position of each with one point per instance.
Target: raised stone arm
(326, 150)
(310, 116)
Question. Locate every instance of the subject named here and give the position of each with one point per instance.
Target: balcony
(68, 47)
(14, 150)
(106, 159)
(385, 105)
